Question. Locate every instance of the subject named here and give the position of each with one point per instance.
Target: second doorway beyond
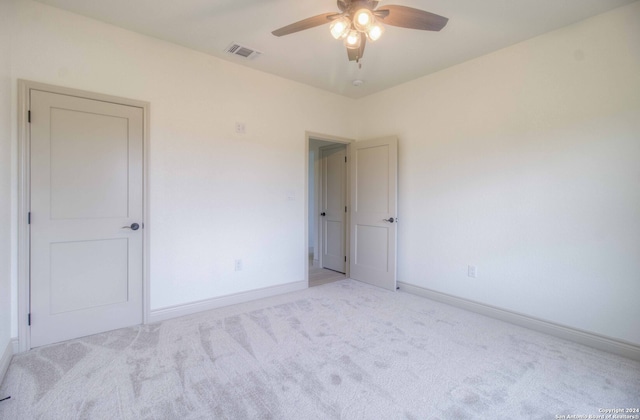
(333, 208)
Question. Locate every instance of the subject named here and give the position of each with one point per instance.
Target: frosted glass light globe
(352, 40)
(363, 19)
(340, 27)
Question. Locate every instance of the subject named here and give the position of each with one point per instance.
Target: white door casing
(373, 227)
(86, 184)
(333, 207)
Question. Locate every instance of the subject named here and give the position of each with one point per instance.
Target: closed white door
(333, 208)
(374, 186)
(86, 216)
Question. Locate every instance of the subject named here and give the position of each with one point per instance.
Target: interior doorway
(82, 206)
(328, 209)
(370, 213)
(333, 208)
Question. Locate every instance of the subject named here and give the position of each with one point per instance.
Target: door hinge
(29, 218)
(28, 319)
(29, 116)
(345, 209)
(345, 258)
(345, 159)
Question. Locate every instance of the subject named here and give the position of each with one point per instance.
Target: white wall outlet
(238, 265)
(472, 271)
(240, 128)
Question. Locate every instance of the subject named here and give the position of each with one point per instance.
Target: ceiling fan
(359, 20)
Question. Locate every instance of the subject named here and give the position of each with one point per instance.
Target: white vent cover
(242, 51)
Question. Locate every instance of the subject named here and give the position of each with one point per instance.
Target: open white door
(374, 190)
(333, 207)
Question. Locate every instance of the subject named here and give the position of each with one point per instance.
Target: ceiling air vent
(242, 51)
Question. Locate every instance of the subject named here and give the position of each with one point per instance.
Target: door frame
(334, 139)
(24, 196)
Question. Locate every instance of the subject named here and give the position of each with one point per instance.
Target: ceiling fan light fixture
(353, 39)
(358, 22)
(375, 32)
(340, 27)
(363, 19)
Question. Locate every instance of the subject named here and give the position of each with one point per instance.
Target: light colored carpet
(341, 350)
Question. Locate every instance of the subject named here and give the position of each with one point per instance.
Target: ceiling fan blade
(408, 17)
(305, 24)
(356, 54)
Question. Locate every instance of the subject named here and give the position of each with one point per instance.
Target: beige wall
(215, 196)
(526, 163)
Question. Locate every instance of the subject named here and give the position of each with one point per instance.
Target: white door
(333, 210)
(86, 216)
(374, 186)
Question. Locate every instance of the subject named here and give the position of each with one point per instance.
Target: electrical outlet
(238, 265)
(240, 128)
(472, 271)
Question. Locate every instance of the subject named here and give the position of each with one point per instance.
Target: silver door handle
(134, 226)
(390, 220)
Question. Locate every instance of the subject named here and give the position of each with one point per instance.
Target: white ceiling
(313, 57)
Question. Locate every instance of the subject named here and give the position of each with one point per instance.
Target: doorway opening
(328, 209)
(369, 216)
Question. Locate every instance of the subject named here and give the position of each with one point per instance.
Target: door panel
(334, 175)
(82, 188)
(100, 280)
(86, 186)
(372, 189)
(371, 247)
(374, 199)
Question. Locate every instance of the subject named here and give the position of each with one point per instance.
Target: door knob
(323, 214)
(390, 220)
(134, 226)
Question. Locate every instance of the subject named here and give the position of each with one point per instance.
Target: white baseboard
(611, 345)
(163, 314)
(7, 354)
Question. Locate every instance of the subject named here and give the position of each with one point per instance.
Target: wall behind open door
(374, 191)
